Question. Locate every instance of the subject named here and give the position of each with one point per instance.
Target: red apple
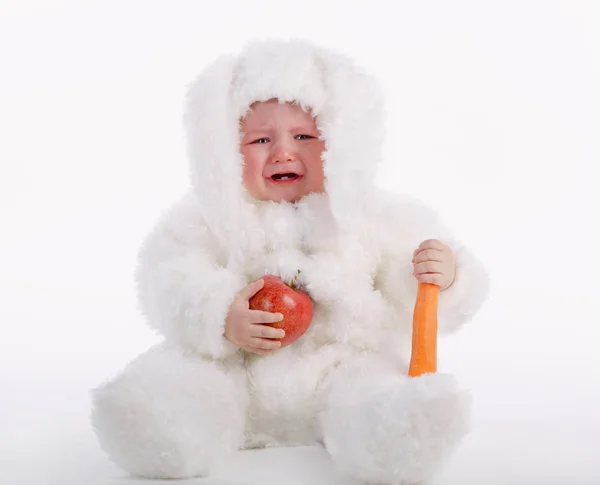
(296, 307)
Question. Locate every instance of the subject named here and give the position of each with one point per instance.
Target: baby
(284, 141)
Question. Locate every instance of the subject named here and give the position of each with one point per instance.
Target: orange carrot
(425, 327)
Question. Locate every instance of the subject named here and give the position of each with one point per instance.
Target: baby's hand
(434, 263)
(246, 328)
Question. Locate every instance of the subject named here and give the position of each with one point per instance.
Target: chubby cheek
(315, 168)
(252, 174)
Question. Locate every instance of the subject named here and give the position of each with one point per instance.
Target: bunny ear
(212, 138)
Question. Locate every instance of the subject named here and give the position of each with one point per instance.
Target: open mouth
(285, 178)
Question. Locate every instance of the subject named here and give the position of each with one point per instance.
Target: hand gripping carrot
(425, 328)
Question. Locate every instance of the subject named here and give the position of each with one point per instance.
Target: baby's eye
(260, 141)
(307, 137)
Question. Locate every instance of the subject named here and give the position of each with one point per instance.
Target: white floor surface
(48, 441)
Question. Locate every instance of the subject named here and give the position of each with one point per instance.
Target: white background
(494, 119)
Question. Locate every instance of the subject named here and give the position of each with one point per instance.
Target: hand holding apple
(245, 327)
(295, 306)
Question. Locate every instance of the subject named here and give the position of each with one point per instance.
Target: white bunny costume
(194, 399)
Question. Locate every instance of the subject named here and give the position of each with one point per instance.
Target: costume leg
(382, 427)
(170, 414)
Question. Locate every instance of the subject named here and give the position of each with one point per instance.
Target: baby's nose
(283, 155)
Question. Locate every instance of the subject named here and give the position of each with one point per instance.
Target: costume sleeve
(183, 291)
(403, 225)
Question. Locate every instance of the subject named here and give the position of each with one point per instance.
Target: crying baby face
(282, 152)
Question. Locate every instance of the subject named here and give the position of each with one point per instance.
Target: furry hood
(346, 102)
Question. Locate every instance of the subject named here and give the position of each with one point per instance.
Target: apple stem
(294, 279)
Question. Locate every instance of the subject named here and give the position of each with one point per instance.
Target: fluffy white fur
(195, 398)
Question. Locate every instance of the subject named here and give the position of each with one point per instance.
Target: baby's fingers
(429, 267)
(258, 316)
(251, 290)
(264, 344)
(265, 331)
(428, 255)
